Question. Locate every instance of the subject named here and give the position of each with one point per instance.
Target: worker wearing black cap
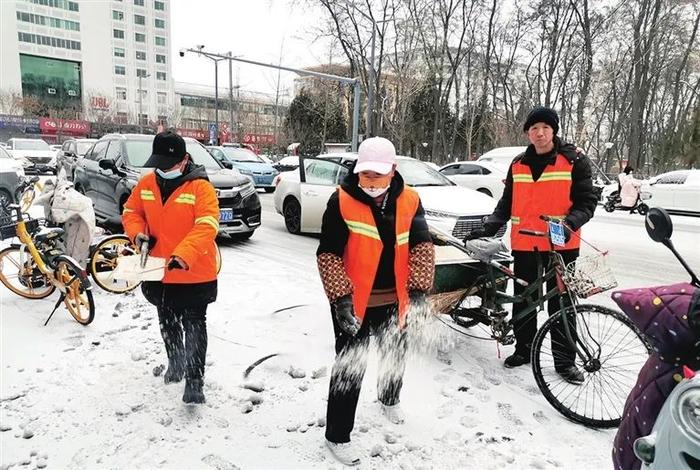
(549, 178)
(175, 209)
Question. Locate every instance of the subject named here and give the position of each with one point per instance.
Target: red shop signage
(56, 126)
(198, 134)
(260, 139)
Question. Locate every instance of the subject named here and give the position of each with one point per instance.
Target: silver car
(11, 174)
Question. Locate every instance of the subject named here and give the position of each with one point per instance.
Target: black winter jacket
(335, 233)
(584, 201)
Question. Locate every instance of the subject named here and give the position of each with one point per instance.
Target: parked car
(69, 153)
(112, 167)
(289, 163)
(501, 155)
(676, 191)
(247, 163)
(11, 175)
(37, 153)
(302, 195)
(485, 177)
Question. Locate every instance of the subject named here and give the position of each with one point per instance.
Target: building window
(160, 6)
(162, 119)
(160, 41)
(122, 118)
(118, 33)
(139, 37)
(160, 59)
(49, 41)
(141, 73)
(119, 52)
(121, 94)
(160, 76)
(140, 19)
(48, 21)
(162, 98)
(119, 70)
(140, 55)
(117, 15)
(160, 23)
(62, 4)
(143, 119)
(138, 3)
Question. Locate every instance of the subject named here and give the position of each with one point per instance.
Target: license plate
(226, 215)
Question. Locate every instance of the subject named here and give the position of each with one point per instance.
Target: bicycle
(36, 267)
(26, 192)
(608, 348)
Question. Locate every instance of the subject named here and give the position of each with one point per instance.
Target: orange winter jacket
(364, 248)
(185, 226)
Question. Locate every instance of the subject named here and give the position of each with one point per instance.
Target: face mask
(169, 175)
(374, 192)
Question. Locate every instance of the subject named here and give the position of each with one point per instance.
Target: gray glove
(345, 315)
(142, 237)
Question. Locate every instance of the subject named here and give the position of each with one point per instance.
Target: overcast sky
(254, 29)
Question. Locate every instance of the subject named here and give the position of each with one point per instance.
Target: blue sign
(556, 233)
(213, 134)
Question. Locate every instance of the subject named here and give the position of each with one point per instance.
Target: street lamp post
(141, 77)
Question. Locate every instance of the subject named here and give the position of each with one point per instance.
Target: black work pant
(525, 268)
(351, 363)
(191, 353)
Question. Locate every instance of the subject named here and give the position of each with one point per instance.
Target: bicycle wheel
(20, 274)
(78, 295)
(619, 351)
(104, 261)
(26, 198)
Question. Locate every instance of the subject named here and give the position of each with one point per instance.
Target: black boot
(195, 326)
(171, 331)
(516, 360)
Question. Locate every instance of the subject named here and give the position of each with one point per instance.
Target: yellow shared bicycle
(36, 266)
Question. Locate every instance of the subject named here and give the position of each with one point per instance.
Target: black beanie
(542, 114)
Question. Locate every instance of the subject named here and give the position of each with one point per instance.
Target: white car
(676, 191)
(302, 195)
(486, 177)
(501, 155)
(36, 152)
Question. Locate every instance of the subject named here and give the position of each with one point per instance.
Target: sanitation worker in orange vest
(551, 178)
(376, 260)
(175, 210)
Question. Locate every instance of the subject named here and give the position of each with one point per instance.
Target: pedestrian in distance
(175, 210)
(550, 178)
(376, 261)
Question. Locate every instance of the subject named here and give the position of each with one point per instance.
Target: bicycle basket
(10, 230)
(589, 275)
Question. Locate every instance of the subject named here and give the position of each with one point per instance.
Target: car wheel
(269, 190)
(292, 216)
(485, 191)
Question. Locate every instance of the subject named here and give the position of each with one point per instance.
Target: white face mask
(375, 192)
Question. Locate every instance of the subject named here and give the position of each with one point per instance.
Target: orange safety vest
(549, 195)
(364, 248)
(185, 226)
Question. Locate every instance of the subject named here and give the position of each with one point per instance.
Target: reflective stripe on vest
(549, 195)
(364, 248)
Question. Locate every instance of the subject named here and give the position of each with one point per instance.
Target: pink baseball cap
(376, 154)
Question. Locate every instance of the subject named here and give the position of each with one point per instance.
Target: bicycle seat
(488, 249)
(49, 234)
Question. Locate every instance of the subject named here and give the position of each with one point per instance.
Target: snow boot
(345, 452)
(394, 413)
(193, 391)
(171, 331)
(195, 356)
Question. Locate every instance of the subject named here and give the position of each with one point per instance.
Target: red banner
(198, 134)
(60, 126)
(259, 139)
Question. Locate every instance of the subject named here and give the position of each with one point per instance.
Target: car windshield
(416, 173)
(31, 144)
(139, 151)
(3, 153)
(241, 155)
(83, 147)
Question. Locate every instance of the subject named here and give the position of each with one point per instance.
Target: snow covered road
(86, 397)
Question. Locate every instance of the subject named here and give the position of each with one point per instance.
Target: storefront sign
(25, 124)
(62, 126)
(199, 134)
(99, 102)
(259, 139)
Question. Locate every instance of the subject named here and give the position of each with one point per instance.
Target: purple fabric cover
(661, 313)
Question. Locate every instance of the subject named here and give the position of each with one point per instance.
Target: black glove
(142, 237)
(567, 230)
(486, 230)
(345, 315)
(174, 264)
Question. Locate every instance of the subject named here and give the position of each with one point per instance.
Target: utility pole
(141, 101)
(230, 95)
(216, 101)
